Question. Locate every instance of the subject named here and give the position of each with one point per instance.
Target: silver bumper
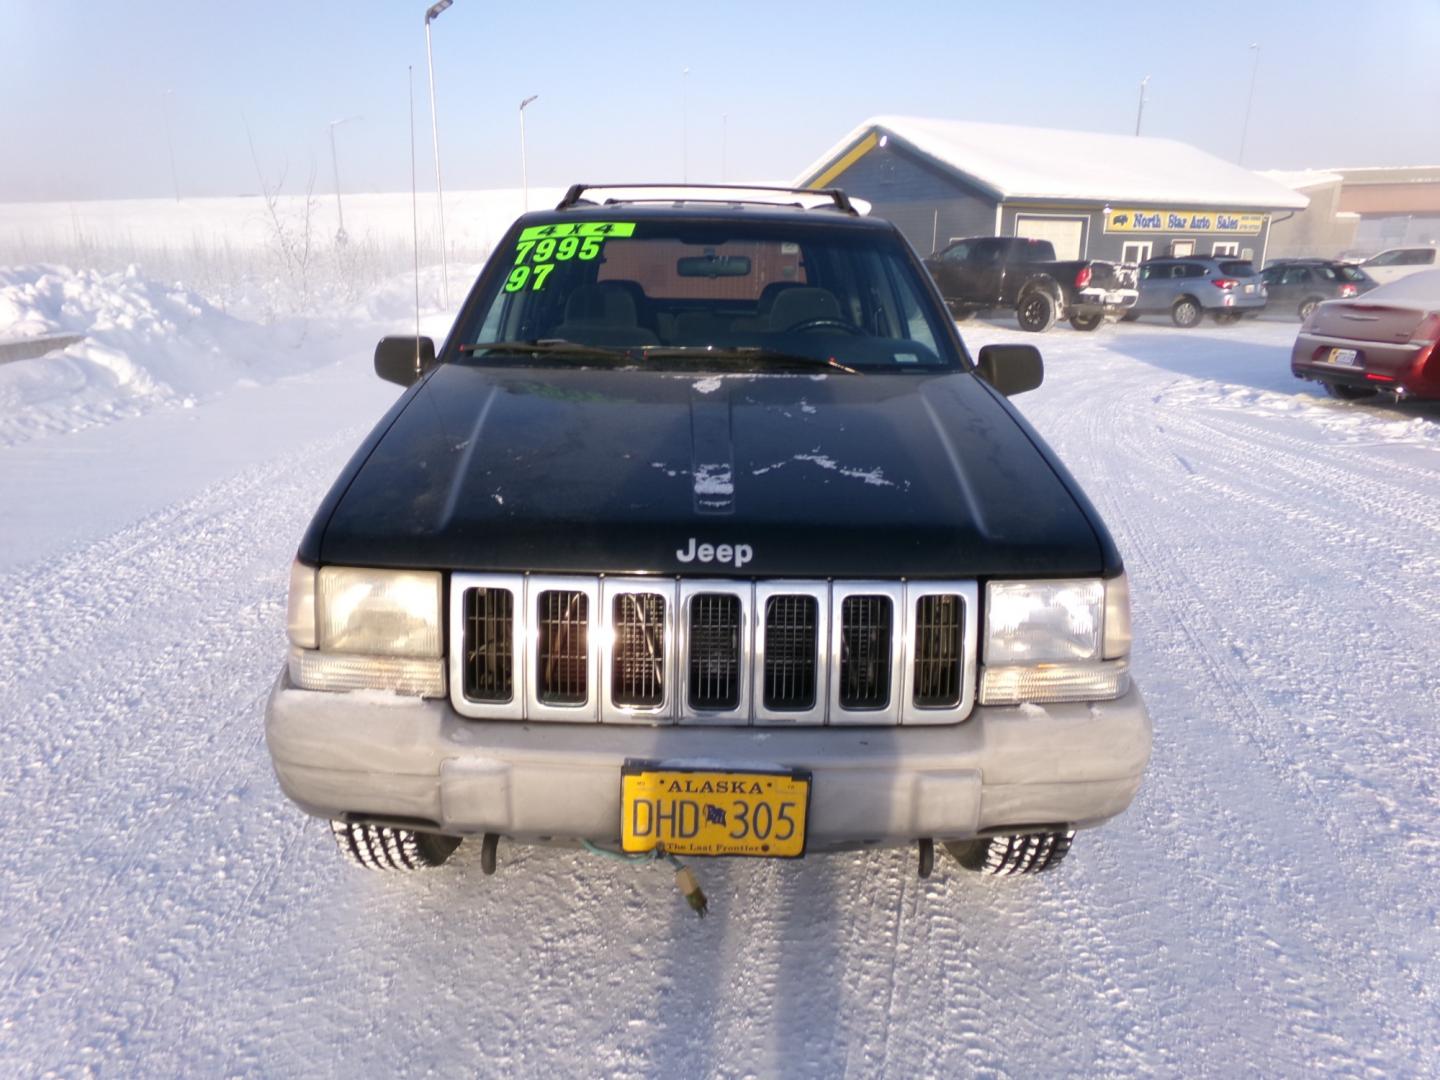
(406, 759)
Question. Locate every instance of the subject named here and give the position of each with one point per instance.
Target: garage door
(1066, 234)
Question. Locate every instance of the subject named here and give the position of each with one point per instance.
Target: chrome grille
(637, 665)
(865, 652)
(939, 623)
(489, 644)
(788, 680)
(562, 652)
(713, 641)
(647, 649)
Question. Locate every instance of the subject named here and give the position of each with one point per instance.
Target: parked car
(1393, 264)
(1016, 273)
(1187, 287)
(1385, 341)
(1300, 284)
(702, 535)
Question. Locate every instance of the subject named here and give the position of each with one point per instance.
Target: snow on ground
(1268, 906)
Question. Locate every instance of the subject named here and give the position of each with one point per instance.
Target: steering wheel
(823, 322)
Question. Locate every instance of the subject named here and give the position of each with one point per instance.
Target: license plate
(708, 812)
(1249, 288)
(1344, 357)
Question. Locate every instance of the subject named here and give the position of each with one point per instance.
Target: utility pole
(170, 142)
(1141, 110)
(1249, 99)
(431, 14)
(724, 140)
(524, 169)
(685, 125)
(340, 238)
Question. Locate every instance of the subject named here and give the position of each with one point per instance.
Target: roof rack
(574, 197)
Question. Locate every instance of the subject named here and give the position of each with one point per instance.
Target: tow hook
(927, 856)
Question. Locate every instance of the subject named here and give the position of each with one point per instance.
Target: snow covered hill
(1268, 906)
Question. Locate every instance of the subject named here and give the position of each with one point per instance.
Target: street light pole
(524, 170)
(431, 14)
(1249, 99)
(724, 140)
(1141, 110)
(340, 237)
(170, 142)
(685, 125)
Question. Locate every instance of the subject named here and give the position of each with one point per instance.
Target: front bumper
(401, 760)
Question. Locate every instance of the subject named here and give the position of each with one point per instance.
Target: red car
(1386, 340)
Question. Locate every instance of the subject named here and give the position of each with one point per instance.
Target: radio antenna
(414, 216)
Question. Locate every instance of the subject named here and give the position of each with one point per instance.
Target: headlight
(356, 629)
(1051, 641)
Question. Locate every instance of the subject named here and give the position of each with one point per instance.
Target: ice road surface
(1268, 906)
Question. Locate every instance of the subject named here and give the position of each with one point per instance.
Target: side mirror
(404, 359)
(1011, 369)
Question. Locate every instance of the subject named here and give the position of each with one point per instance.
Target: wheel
(378, 847)
(1000, 856)
(1308, 306)
(1226, 318)
(1036, 311)
(1086, 322)
(1185, 312)
(1130, 316)
(821, 323)
(1348, 393)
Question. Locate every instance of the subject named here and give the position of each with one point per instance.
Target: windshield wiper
(744, 352)
(549, 347)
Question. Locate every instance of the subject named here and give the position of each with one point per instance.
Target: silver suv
(1186, 288)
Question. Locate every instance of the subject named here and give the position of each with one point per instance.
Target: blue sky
(83, 85)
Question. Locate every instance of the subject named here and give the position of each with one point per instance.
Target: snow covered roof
(1049, 163)
(1301, 179)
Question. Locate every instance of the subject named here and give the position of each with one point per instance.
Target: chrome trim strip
(895, 591)
(535, 709)
(610, 589)
(969, 593)
(764, 592)
(514, 709)
(745, 590)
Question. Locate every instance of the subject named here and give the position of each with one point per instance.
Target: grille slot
(939, 626)
(714, 644)
(790, 633)
(637, 667)
(489, 644)
(562, 650)
(866, 636)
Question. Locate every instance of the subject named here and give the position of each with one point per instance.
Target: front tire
(379, 847)
(1002, 856)
(1086, 323)
(1036, 311)
(1348, 393)
(1185, 313)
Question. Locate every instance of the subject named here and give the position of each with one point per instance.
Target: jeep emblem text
(739, 554)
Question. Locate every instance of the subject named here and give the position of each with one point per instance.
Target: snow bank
(145, 345)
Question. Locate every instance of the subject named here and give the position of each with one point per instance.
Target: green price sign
(541, 247)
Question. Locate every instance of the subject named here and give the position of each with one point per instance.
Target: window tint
(1190, 270)
(1417, 257)
(1295, 275)
(1325, 273)
(1238, 269)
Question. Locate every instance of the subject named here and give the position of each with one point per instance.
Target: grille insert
(789, 675)
(714, 643)
(865, 642)
(939, 624)
(489, 645)
(562, 651)
(637, 669)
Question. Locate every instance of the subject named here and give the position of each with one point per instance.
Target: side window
(1325, 273)
(1192, 270)
(957, 253)
(1295, 275)
(1387, 258)
(1418, 257)
(1271, 276)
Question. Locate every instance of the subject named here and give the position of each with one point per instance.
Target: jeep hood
(596, 471)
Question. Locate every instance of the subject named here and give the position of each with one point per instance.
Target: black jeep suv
(702, 534)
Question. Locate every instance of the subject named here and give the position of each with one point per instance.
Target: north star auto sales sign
(1192, 221)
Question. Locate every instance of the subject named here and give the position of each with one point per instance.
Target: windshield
(662, 293)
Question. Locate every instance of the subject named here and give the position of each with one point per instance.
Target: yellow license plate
(704, 812)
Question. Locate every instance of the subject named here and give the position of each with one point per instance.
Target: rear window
(1237, 269)
(1351, 273)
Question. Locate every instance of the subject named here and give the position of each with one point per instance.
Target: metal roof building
(1117, 197)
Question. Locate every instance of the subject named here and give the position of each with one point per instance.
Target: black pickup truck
(702, 534)
(1022, 275)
